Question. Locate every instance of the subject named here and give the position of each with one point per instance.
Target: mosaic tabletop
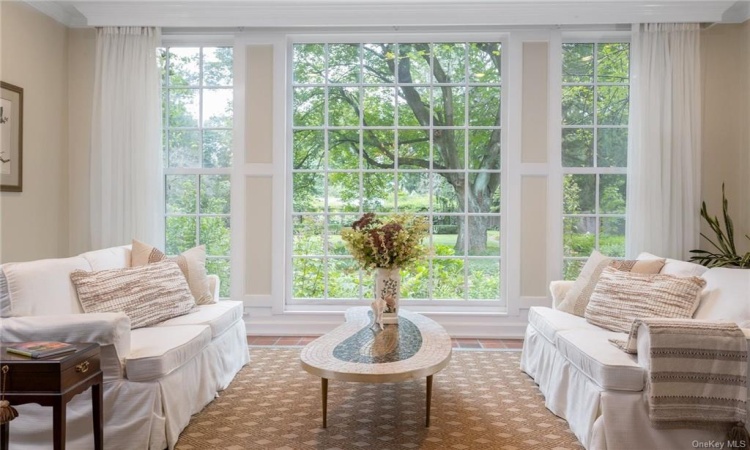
(359, 350)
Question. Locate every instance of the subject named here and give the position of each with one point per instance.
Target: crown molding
(737, 13)
(62, 12)
(393, 13)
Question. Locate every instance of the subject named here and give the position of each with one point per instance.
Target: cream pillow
(621, 297)
(676, 267)
(147, 295)
(578, 296)
(192, 263)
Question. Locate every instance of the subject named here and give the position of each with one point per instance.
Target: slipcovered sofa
(598, 388)
(155, 377)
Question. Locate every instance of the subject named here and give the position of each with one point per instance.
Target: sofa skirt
(141, 415)
(600, 419)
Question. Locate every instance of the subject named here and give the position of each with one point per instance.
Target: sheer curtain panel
(126, 155)
(664, 154)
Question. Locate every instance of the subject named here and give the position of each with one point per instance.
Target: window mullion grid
(466, 167)
(326, 206)
(199, 179)
(597, 210)
(360, 162)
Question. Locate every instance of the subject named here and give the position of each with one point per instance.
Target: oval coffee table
(360, 351)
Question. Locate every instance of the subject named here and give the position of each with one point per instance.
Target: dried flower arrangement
(389, 242)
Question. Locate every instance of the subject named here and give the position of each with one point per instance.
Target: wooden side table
(53, 381)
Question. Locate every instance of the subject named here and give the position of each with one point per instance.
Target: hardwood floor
(457, 343)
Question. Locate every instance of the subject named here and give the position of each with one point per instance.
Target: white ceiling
(390, 13)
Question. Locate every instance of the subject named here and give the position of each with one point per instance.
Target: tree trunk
(475, 234)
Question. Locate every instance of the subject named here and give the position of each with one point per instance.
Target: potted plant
(725, 254)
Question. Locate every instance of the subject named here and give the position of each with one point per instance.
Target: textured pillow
(147, 295)
(192, 263)
(621, 297)
(578, 296)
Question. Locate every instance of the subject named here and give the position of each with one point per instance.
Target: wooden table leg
(324, 392)
(96, 405)
(4, 435)
(429, 400)
(58, 424)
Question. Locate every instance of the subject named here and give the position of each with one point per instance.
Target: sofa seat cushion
(156, 351)
(606, 365)
(218, 316)
(548, 322)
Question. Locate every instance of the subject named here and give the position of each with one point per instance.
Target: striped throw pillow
(621, 297)
(147, 295)
(192, 263)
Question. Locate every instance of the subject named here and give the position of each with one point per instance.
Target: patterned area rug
(480, 401)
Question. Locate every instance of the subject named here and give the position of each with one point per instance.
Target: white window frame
(508, 293)
(558, 173)
(203, 41)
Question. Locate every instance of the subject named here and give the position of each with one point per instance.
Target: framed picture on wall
(11, 137)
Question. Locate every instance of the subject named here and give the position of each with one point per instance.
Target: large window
(595, 102)
(391, 127)
(197, 106)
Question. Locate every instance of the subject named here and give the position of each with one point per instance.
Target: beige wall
(725, 142)
(81, 48)
(34, 54)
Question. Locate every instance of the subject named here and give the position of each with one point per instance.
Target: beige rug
(480, 401)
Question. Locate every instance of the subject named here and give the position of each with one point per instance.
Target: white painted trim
(63, 12)
(511, 163)
(554, 158)
(281, 186)
(196, 39)
(257, 301)
(259, 321)
(238, 249)
(393, 13)
(534, 169)
(259, 170)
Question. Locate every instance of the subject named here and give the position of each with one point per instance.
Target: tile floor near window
(515, 344)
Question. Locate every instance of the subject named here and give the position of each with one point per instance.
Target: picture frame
(11, 138)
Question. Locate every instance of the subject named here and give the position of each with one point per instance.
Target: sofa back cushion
(726, 296)
(148, 294)
(108, 258)
(41, 287)
(621, 297)
(677, 267)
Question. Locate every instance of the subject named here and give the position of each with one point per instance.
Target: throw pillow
(676, 267)
(621, 297)
(147, 295)
(192, 263)
(578, 296)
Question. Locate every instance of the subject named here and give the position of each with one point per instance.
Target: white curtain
(664, 154)
(126, 155)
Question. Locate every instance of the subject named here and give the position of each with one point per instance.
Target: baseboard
(317, 323)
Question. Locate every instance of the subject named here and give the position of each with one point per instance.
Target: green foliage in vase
(725, 253)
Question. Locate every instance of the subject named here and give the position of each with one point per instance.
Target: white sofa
(155, 377)
(597, 387)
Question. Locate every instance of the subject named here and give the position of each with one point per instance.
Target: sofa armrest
(558, 289)
(214, 283)
(110, 330)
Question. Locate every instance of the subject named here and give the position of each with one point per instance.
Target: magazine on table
(40, 349)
